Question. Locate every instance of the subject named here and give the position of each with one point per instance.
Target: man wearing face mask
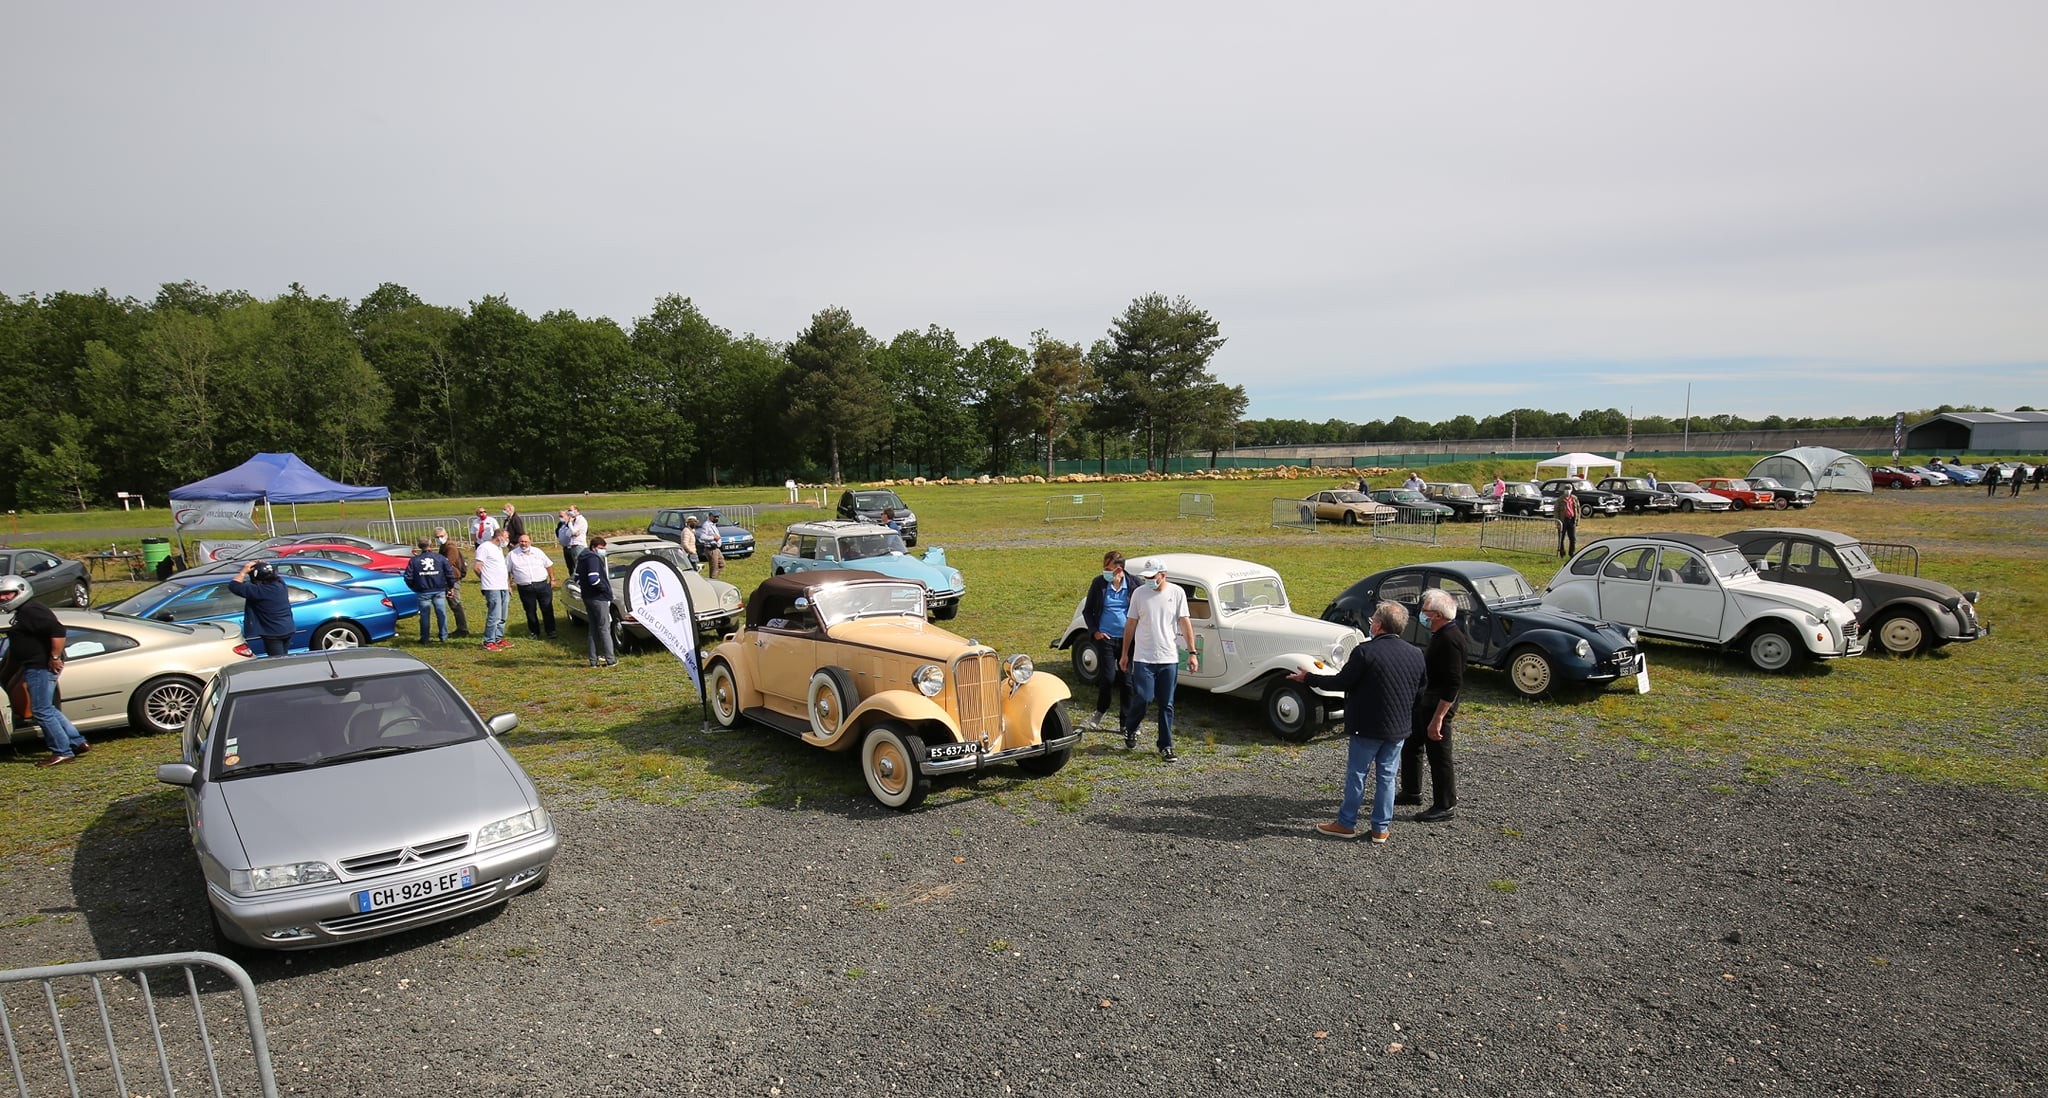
(596, 580)
(458, 569)
(1444, 667)
(1158, 623)
(1106, 609)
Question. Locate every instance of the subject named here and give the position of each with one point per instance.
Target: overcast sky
(1423, 209)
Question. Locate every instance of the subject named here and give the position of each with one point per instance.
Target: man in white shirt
(1157, 630)
(1413, 483)
(579, 536)
(493, 577)
(532, 572)
(480, 531)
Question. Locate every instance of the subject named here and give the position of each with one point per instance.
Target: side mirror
(166, 616)
(503, 723)
(177, 774)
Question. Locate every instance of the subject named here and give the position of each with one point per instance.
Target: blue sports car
(339, 573)
(324, 615)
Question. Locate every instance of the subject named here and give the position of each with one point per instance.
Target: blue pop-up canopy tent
(275, 478)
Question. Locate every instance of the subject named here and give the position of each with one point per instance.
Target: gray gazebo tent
(1818, 468)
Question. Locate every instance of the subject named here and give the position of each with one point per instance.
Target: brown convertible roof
(777, 592)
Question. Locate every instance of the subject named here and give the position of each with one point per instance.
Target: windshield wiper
(268, 768)
(372, 752)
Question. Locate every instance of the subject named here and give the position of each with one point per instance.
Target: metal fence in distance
(1895, 557)
(1520, 534)
(100, 1035)
(1294, 514)
(1085, 506)
(1200, 505)
(408, 531)
(1410, 526)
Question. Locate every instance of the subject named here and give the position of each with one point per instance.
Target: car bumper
(976, 761)
(324, 915)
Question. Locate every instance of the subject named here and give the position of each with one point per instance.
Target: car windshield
(1405, 495)
(835, 604)
(620, 564)
(1458, 491)
(1683, 487)
(1730, 564)
(1245, 594)
(1504, 589)
(139, 604)
(1350, 497)
(1764, 482)
(332, 721)
(863, 546)
(1735, 485)
(1632, 484)
(1523, 490)
(875, 501)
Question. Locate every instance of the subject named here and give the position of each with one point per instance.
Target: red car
(1887, 476)
(1738, 491)
(347, 554)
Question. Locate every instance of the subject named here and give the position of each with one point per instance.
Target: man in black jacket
(1379, 682)
(1435, 706)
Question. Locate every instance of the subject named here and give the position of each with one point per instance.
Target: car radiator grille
(384, 860)
(1849, 633)
(1623, 658)
(977, 682)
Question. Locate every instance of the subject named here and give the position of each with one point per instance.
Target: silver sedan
(340, 796)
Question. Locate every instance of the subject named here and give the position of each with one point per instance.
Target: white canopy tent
(1576, 465)
(1819, 468)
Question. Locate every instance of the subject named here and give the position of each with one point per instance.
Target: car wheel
(1773, 647)
(1531, 673)
(1780, 504)
(1736, 505)
(1350, 518)
(722, 694)
(338, 634)
(1087, 660)
(81, 593)
(1292, 710)
(163, 704)
(889, 759)
(622, 641)
(947, 612)
(1900, 632)
(1685, 505)
(1895, 485)
(1055, 726)
(829, 700)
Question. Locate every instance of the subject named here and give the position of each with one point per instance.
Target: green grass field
(1967, 714)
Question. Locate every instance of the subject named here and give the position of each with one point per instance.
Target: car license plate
(940, 751)
(405, 892)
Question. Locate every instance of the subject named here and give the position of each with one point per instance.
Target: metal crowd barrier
(1200, 505)
(1520, 534)
(127, 1029)
(1895, 557)
(1410, 526)
(407, 531)
(1294, 514)
(1073, 507)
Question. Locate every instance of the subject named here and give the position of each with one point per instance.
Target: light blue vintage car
(809, 546)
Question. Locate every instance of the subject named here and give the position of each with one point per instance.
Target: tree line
(118, 394)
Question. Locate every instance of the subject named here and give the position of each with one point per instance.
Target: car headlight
(929, 680)
(511, 827)
(729, 600)
(265, 878)
(1021, 669)
(1634, 637)
(1583, 650)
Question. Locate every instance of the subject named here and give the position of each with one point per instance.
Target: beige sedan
(1350, 508)
(134, 671)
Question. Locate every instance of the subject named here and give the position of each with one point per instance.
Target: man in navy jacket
(1380, 683)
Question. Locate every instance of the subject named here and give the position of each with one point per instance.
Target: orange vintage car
(846, 661)
(1739, 492)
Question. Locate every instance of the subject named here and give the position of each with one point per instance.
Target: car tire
(722, 694)
(622, 641)
(1737, 505)
(1901, 633)
(889, 758)
(337, 634)
(1530, 672)
(1685, 505)
(1780, 504)
(162, 704)
(1087, 661)
(1292, 710)
(1350, 518)
(81, 593)
(831, 697)
(1055, 726)
(1895, 485)
(947, 612)
(1773, 647)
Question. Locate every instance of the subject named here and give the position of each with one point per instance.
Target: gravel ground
(1591, 923)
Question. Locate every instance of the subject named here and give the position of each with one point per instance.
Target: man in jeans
(593, 575)
(497, 588)
(35, 643)
(533, 572)
(458, 567)
(427, 574)
(1158, 620)
(1380, 681)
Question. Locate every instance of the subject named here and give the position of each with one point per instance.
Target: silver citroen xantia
(344, 795)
